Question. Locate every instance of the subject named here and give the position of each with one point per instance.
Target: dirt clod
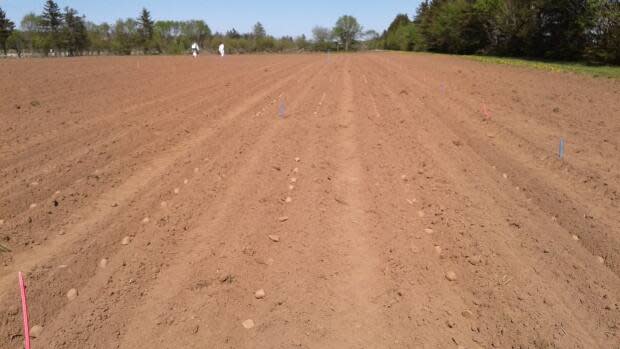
(103, 263)
(475, 260)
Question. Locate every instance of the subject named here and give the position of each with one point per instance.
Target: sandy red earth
(379, 200)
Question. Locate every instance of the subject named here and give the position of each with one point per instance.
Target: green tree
(197, 31)
(301, 42)
(99, 37)
(51, 25)
(6, 29)
(261, 41)
(145, 30)
(394, 38)
(233, 34)
(347, 30)
(125, 36)
(321, 37)
(563, 27)
(16, 42)
(259, 31)
(400, 20)
(34, 38)
(604, 39)
(75, 34)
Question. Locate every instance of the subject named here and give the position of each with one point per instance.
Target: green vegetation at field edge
(596, 71)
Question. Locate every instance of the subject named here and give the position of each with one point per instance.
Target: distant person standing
(195, 50)
(221, 49)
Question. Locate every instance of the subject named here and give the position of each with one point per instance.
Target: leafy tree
(145, 30)
(75, 34)
(197, 31)
(6, 29)
(16, 42)
(34, 38)
(562, 28)
(394, 38)
(125, 36)
(400, 20)
(455, 28)
(347, 30)
(550, 29)
(51, 24)
(301, 42)
(322, 37)
(604, 39)
(99, 37)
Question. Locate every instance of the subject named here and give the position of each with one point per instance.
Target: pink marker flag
(485, 111)
(22, 287)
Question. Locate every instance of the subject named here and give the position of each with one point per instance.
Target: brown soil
(404, 171)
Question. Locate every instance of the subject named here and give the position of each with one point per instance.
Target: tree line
(65, 32)
(575, 30)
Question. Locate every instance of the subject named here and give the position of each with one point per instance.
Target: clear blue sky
(280, 17)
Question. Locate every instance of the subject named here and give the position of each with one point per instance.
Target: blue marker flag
(282, 109)
(562, 145)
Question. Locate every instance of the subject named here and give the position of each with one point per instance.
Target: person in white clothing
(195, 50)
(221, 49)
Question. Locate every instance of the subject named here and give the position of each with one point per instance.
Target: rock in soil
(451, 276)
(260, 294)
(72, 294)
(283, 219)
(248, 324)
(274, 238)
(125, 240)
(36, 331)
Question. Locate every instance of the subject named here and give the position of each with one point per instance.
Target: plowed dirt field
(379, 200)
